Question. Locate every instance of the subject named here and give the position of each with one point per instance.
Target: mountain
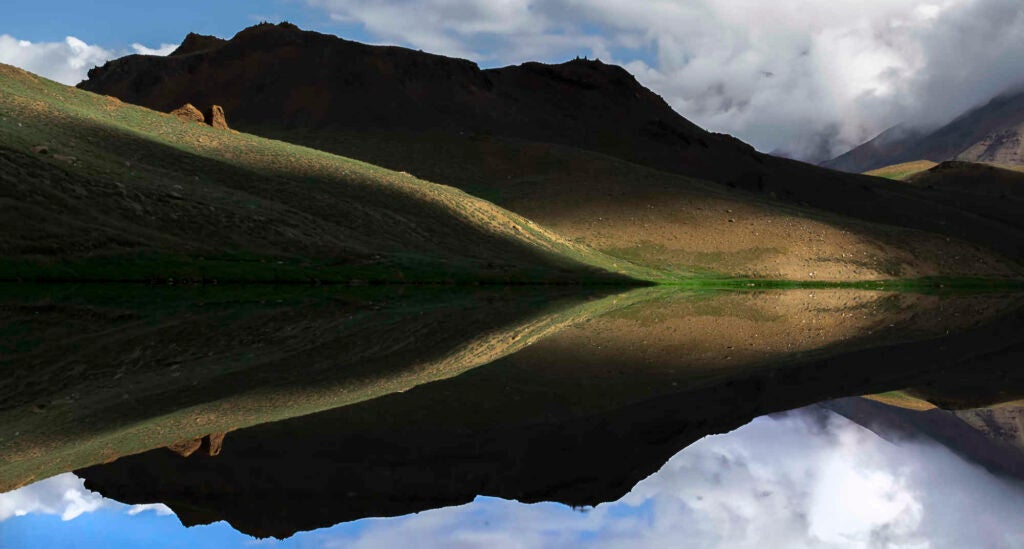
(94, 189)
(513, 134)
(992, 133)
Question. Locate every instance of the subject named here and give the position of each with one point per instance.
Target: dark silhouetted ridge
(198, 42)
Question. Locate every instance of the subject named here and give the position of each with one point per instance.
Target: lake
(520, 416)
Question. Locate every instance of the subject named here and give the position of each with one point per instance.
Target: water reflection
(801, 479)
(287, 410)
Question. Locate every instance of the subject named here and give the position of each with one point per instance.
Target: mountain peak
(198, 42)
(993, 132)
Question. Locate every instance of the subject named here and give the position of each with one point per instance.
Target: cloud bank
(66, 62)
(802, 77)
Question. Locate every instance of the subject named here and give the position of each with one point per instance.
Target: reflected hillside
(581, 415)
(93, 373)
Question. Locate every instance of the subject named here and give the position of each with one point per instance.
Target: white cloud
(806, 77)
(158, 508)
(801, 480)
(163, 50)
(66, 62)
(64, 495)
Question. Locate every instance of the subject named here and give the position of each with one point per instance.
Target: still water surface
(517, 417)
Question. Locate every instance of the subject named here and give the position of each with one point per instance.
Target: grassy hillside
(93, 189)
(662, 220)
(904, 170)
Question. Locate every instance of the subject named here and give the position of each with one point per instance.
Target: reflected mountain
(93, 373)
(990, 436)
(595, 404)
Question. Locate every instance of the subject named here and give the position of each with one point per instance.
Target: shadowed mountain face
(581, 415)
(409, 111)
(992, 133)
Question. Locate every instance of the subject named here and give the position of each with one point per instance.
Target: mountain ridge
(990, 133)
(330, 93)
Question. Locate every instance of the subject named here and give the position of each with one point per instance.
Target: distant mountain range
(992, 133)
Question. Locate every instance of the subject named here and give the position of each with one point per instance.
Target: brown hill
(411, 111)
(990, 133)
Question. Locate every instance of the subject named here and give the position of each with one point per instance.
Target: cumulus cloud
(163, 50)
(807, 479)
(64, 495)
(66, 62)
(802, 77)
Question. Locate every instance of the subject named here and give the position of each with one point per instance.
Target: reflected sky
(808, 478)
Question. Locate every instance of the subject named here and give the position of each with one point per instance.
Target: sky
(805, 78)
(805, 479)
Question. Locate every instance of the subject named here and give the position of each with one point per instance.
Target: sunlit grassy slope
(94, 189)
(657, 219)
(904, 170)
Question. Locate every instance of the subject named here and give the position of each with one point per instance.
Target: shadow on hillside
(125, 195)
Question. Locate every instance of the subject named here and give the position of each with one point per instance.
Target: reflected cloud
(804, 479)
(809, 478)
(64, 495)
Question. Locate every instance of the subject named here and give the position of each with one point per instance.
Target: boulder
(216, 443)
(185, 448)
(215, 117)
(189, 113)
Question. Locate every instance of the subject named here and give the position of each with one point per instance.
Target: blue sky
(791, 480)
(118, 24)
(803, 77)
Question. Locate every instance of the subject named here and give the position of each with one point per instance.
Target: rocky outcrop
(188, 113)
(215, 117)
(212, 443)
(185, 448)
(215, 443)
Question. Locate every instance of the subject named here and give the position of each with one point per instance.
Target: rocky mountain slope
(410, 111)
(992, 133)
